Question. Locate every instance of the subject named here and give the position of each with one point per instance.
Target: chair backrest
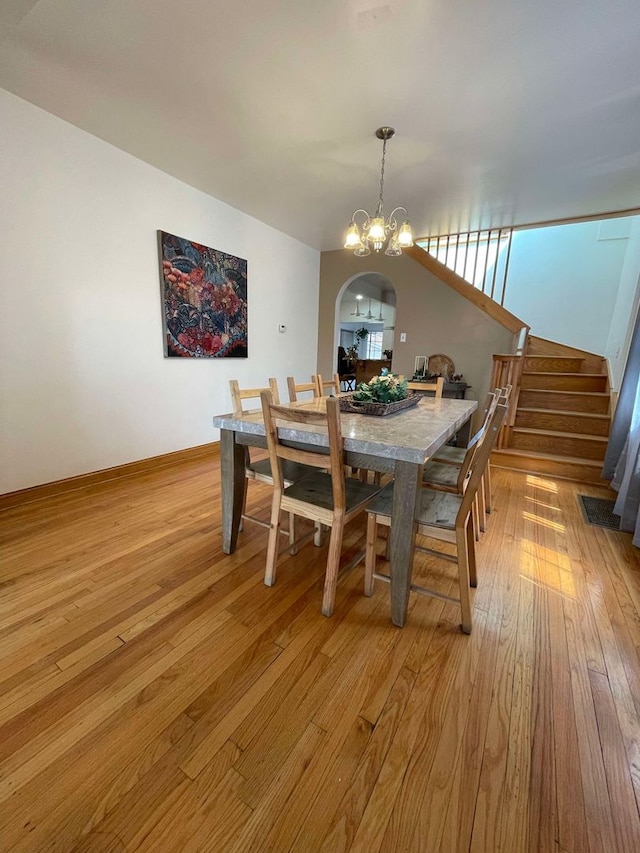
(476, 443)
(493, 398)
(331, 385)
(505, 393)
(480, 458)
(296, 388)
(238, 394)
(437, 386)
(333, 462)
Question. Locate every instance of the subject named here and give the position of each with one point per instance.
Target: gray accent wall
(434, 317)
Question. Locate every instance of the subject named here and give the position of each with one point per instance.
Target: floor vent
(599, 511)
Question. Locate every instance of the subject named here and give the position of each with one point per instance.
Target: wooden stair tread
(556, 374)
(552, 457)
(555, 390)
(563, 412)
(560, 434)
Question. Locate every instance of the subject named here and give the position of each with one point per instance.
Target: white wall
(564, 279)
(83, 381)
(626, 306)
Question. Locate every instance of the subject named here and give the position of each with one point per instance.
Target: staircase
(561, 422)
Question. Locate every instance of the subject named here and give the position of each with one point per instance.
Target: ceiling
(505, 112)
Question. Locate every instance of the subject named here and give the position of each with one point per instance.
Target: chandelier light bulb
(376, 230)
(405, 235)
(353, 239)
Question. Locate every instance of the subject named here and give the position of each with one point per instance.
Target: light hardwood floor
(156, 696)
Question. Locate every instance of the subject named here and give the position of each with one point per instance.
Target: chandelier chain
(384, 152)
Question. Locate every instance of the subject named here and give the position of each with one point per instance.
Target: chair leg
(318, 536)
(377, 478)
(272, 544)
(486, 480)
(370, 553)
(471, 552)
(333, 564)
(463, 573)
(247, 459)
(292, 532)
(244, 506)
(476, 520)
(481, 507)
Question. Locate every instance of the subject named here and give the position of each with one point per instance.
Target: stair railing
(507, 370)
(479, 257)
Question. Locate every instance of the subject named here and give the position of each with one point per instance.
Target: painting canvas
(204, 300)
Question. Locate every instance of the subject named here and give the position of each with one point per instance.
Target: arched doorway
(365, 321)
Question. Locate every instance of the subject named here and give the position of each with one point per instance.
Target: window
(374, 345)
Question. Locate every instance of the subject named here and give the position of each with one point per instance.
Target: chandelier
(372, 232)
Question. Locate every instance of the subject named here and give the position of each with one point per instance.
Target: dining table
(398, 444)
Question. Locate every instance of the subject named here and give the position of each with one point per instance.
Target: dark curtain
(622, 459)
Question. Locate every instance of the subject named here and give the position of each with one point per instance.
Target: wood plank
(559, 443)
(448, 646)
(348, 816)
(420, 809)
(357, 735)
(571, 422)
(592, 362)
(545, 464)
(569, 401)
(616, 763)
(595, 383)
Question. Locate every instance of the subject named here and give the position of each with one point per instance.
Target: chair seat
(291, 471)
(452, 455)
(441, 474)
(437, 509)
(316, 489)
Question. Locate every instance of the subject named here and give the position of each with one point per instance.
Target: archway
(364, 322)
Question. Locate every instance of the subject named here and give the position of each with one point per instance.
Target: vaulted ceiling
(505, 112)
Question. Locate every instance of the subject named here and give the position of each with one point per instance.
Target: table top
(410, 435)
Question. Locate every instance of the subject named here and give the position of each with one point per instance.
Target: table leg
(463, 436)
(406, 496)
(233, 485)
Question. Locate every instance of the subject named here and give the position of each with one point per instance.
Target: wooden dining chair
(444, 517)
(260, 470)
(455, 455)
(325, 496)
(452, 477)
(327, 386)
(437, 387)
(296, 388)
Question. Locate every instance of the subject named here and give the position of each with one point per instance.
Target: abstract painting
(204, 300)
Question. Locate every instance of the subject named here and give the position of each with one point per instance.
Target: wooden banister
(507, 370)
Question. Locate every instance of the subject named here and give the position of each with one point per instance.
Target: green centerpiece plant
(385, 388)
